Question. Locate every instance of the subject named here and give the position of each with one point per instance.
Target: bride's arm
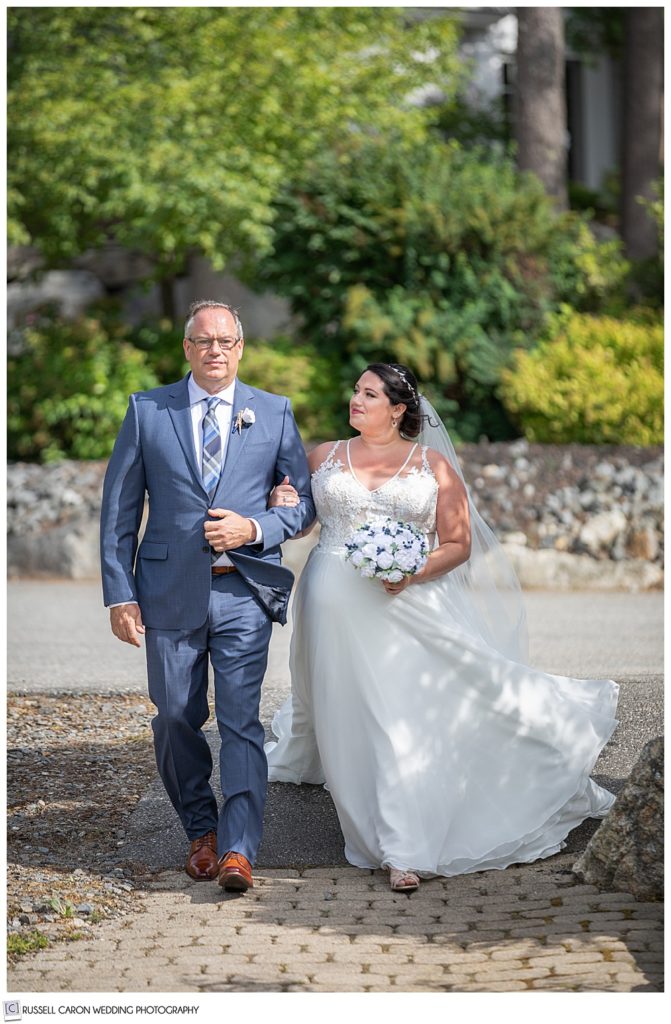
(453, 524)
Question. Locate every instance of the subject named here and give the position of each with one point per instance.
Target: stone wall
(571, 516)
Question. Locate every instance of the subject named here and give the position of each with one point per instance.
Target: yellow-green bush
(592, 380)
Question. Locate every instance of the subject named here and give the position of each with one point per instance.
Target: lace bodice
(343, 503)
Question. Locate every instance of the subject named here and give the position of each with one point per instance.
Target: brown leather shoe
(202, 861)
(235, 872)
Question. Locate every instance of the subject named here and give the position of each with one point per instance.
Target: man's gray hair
(200, 304)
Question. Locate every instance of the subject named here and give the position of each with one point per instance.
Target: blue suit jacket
(170, 574)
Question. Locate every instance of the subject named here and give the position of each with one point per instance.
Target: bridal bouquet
(388, 550)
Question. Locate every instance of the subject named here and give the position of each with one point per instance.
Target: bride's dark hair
(400, 386)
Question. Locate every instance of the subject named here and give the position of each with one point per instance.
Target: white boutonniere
(246, 417)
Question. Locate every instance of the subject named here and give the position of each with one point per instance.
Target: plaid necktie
(211, 447)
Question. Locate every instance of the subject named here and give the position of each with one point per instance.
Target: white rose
(385, 560)
(248, 416)
(395, 576)
(356, 559)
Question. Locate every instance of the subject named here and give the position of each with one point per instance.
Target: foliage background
(284, 145)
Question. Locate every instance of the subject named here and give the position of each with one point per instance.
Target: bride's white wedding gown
(441, 755)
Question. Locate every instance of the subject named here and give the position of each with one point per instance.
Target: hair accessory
(405, 380)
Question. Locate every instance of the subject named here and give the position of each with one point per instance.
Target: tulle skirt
(441, 755)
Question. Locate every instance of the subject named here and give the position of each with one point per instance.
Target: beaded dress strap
(425, 462)
(328, 461)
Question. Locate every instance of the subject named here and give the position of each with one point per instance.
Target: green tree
(171, 129)
(540, 114)
(634, 38)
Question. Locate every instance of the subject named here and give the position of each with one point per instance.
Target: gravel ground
(68, 757)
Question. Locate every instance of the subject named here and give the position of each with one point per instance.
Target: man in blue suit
(206, 580)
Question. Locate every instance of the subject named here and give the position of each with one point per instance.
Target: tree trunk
(642, 135)
(540, 114)
(167, 290)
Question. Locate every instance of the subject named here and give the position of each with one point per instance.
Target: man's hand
(126, 622)
(229, 530)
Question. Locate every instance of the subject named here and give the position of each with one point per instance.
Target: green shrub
(305, 376)
(162, 343)
(456, 363)
(442, 258)
(68, 388)
(592, 380)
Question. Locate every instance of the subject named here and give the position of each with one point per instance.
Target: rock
(643, 544)
(70, 551)
(602, 530)
(72, 290)
(655, 496)
(626, 477)
(22, 261)
(516, 538)
(627, 851)
(84, 908)
(587, 500)
(605, 471)
(618, 551)
(549, 569)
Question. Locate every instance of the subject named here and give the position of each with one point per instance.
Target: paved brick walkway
(342, 930)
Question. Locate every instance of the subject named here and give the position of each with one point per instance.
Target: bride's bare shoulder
(319, 454)
(441, 467)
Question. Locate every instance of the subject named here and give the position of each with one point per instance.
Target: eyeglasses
(205, 344)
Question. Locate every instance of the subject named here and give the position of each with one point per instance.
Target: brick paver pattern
(342, 930)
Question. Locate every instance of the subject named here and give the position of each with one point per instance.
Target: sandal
(403, 881)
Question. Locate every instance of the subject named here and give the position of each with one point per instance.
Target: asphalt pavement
(59, 638)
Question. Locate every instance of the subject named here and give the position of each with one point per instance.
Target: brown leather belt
(223, 570)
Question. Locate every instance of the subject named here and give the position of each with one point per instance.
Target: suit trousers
(235, 638)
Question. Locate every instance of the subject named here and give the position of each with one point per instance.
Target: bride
(443, 750)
